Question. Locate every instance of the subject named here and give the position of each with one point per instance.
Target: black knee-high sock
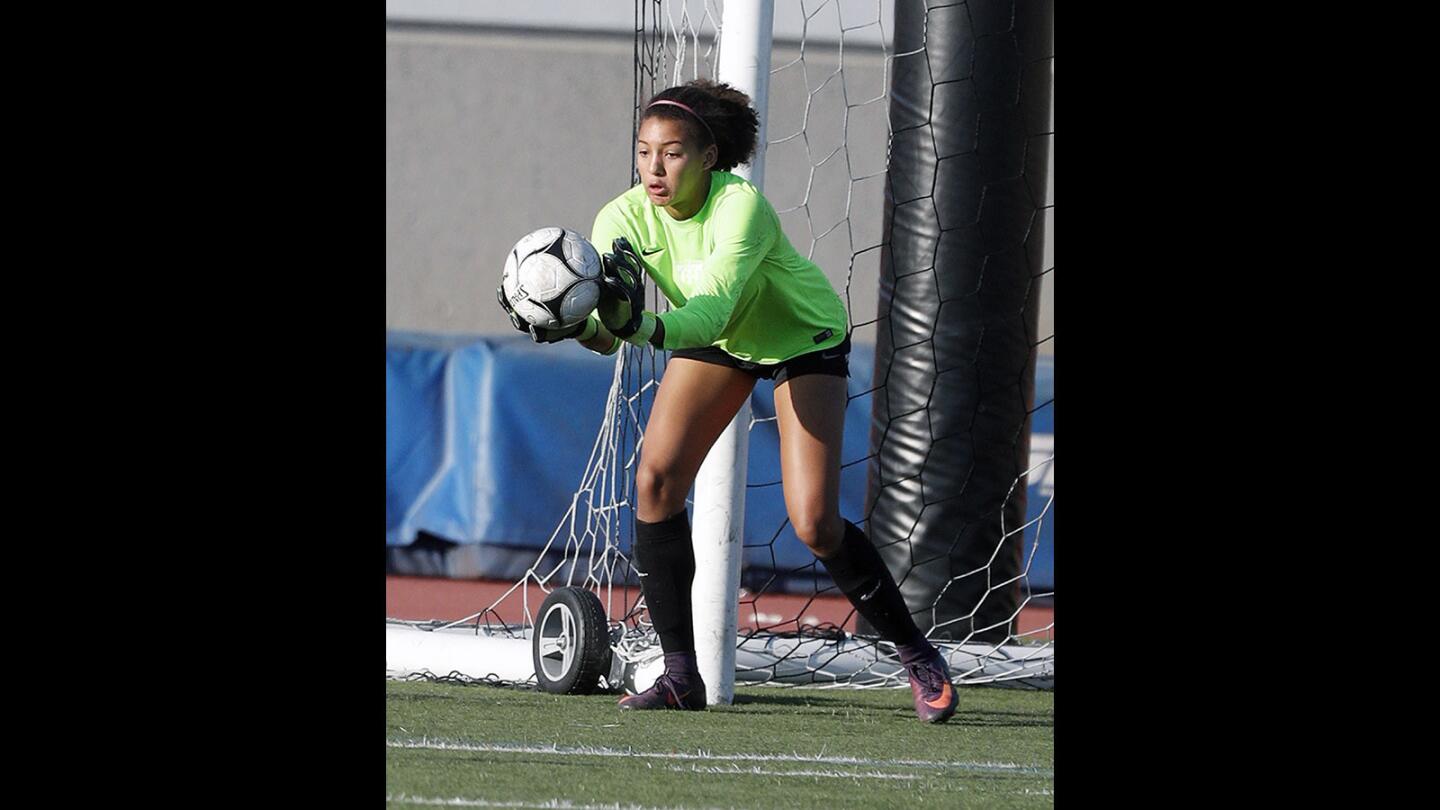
(862, 576)
(666, 563)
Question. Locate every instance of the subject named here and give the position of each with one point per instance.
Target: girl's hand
(622, 290)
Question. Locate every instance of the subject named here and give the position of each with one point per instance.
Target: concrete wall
(493, 132)
(488, 136)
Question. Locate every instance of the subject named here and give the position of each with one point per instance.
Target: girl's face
(674, 171)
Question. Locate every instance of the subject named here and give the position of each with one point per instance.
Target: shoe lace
(926, 675)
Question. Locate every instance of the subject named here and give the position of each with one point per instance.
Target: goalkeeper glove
(622, 297)
(584, 330)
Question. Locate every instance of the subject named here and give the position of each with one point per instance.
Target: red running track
(425, 598)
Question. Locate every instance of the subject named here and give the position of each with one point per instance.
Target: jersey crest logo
(688, 274)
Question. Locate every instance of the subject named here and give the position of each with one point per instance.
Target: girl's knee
(657, 493)
(821, 534)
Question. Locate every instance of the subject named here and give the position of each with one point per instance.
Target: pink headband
(686, 109)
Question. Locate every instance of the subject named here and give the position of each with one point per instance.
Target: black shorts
(834, 361)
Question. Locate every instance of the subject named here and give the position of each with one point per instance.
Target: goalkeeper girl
(744, 305)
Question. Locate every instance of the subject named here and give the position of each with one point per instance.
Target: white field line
(758, 771)
(591, 751)
(565, 804)
(547, 804)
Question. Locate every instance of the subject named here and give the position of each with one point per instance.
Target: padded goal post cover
(486, 440)
(959, 304)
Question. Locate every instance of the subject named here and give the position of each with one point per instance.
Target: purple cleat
(688, 695)
(935, 698)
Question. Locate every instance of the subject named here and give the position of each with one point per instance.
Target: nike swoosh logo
(873, 591)
(824, 356)
(651, 251)
(944, 699)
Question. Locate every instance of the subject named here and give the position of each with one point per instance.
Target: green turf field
(483, 746)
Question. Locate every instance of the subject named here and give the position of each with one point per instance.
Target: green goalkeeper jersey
(732, 278)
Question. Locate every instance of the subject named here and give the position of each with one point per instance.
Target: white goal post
(718, 533)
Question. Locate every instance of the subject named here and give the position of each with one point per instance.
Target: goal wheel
(571, 643)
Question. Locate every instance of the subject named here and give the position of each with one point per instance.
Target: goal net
(828, 145)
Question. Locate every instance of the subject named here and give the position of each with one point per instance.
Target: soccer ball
(552, 278)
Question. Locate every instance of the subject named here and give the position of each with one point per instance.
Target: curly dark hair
(725, 110)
